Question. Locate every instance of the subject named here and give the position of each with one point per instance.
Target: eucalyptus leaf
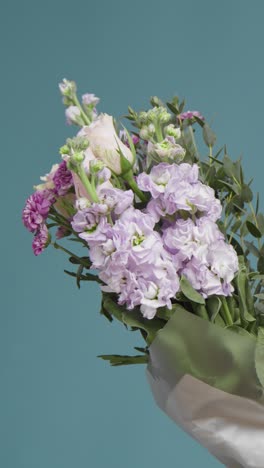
(173, 108)
(208, 136)
(260, 221)
(246, 193)
(260, 264)
(236, 225)
(229, 168)
(252, 248)
(259, 296)
(252, 228)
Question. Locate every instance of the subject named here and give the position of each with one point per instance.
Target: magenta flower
(62, 179)
(37, 209)
(40, 240)
(190, 115)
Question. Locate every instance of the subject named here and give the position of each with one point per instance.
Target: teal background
(61, 407)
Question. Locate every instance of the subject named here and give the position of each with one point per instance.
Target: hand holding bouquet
(169, 237)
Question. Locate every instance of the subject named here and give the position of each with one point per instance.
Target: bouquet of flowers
(175, 242)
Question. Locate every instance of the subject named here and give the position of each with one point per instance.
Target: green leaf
(252, 228)
(257, 203)
(233, 187)
(236, 225)
(242, 287)
(213, 304)
(119, 360)
(229, 168)
(236, 246)
(252, 248)
(173, 108)
(246, 194)
(260, 265)
(260, 221)
(259, 356)
(133, 318)
(199, 121)
(165, 313)
(208, 136)
(190, 292)
(259, 296)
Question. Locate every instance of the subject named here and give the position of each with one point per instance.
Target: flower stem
(159, 134)
(68, 252)
(87, 184)
(226, 312)
(128, 176)
(85, 118)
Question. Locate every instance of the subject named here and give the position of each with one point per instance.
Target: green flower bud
(96, 166)
(171, 130)
(156, 102)
(64, 149)
(164, 116)
(77, 158)
(67, 88)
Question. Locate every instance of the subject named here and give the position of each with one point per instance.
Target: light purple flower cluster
(188, 211)
(140, 255)
(201, 254)
(176, 187)
(131, 259)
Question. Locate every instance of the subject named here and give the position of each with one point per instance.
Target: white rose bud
(105, 144)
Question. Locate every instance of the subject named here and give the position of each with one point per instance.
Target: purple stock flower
(62, 179)
(176, 187)
(40, 240)
(37, 209)
(114, 199)
(90, 99)
(134, 264)
(190, 115)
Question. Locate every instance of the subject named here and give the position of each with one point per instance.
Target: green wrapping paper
(206, 379)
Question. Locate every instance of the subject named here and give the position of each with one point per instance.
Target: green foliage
(189, 292)
(119, 360)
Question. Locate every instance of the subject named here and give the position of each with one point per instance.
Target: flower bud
(166, 151)
(175, 132)
(90, 99)
(147, 132)
(82, 203)
(67, 88)
(73, 115)
(77, 158)
(96, 166)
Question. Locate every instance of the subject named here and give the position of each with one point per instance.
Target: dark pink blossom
(37, 209)
(40, 240)
(190, 115)
(62, 179)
